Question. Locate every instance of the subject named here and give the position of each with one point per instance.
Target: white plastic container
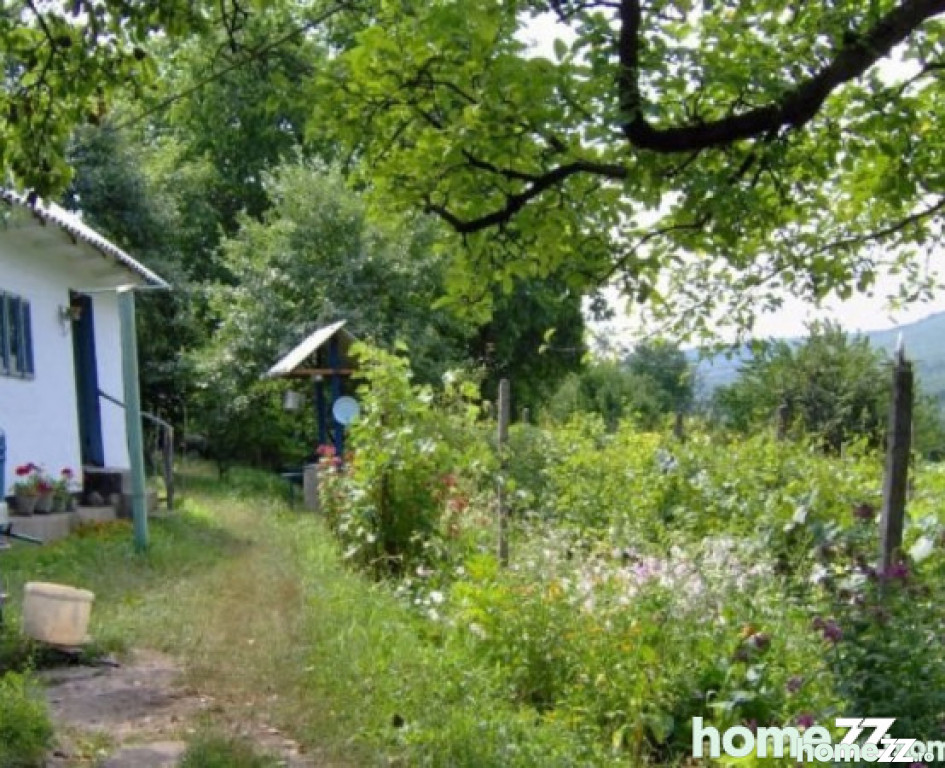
(56, 614)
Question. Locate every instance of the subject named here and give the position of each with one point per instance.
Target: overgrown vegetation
(649, 584)
(25, 728)
(652, 582)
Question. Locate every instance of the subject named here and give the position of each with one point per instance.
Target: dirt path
(139, 715)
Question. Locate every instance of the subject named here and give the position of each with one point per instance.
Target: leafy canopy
(742, 145)
(62, 62)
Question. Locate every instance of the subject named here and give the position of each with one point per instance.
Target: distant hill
(924, 341)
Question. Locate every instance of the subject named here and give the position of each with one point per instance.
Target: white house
(60, 344)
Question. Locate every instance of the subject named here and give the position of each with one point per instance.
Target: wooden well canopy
(325, 352)
(323, 357)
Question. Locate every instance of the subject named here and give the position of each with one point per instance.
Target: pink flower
(66, 472)
(805, 721)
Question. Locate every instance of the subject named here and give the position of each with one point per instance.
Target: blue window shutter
(4, 349)
(15, 334)
(26, 342)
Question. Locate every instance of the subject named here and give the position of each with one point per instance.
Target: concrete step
(52, 527)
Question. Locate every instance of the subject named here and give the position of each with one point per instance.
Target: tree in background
(535, 338)
(117, 195)
(833, 386)
(668, 373)
(655, 381)
(315, 256)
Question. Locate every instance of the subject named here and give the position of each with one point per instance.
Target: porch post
(129, 366)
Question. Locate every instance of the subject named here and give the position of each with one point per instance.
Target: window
(16, 336)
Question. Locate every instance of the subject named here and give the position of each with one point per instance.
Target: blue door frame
(86, 383)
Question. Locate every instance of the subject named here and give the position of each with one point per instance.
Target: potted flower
(62, 491)
(26, 488)
(46, 493)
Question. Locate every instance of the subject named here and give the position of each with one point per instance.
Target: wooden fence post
(501, 511)
(895, 481)
(168, 455)
(781, 421)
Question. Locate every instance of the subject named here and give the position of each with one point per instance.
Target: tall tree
(765, 140)
(119, 197)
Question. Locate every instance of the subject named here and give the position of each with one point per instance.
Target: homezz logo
(816, 743)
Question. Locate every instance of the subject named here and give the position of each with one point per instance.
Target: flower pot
(25, 503)
(44, 503)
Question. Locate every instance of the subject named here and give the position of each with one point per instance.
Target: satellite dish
(345, 410)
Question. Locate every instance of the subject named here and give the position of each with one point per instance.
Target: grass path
(223, 592)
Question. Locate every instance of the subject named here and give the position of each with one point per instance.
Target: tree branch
(514, 203)
(795, 108)
(884, 232)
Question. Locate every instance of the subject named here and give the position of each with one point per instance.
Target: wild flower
(896, 571)
(805, 720)
(829, 629)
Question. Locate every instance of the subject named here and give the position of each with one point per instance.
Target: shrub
(388, 504)
(25, 729)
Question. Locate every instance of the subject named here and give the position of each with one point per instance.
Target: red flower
(44, 486)
(325, 450)
(23, 470)
(66, 472)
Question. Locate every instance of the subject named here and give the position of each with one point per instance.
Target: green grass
(216, 751)
(255, 601)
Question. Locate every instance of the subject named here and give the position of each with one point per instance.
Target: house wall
(40, 414)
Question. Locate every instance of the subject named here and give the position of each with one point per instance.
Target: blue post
(334, 363)
(320, 411)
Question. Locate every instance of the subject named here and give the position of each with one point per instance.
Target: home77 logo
(896, 750)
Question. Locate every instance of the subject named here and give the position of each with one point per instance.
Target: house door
(86, 382)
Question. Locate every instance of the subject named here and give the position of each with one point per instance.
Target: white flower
(436, 597)
(921, 549)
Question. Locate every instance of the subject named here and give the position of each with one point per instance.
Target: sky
(859, 313)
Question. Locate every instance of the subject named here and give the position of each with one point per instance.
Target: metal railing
(167, 446)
